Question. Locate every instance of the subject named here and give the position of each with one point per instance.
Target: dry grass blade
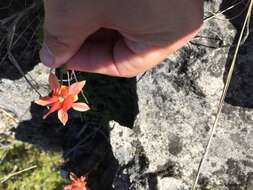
(68, 78)
(224, 92)
(4, 179)
(10, 55)
(82, 93)
(16, 15)
(9, 114)
(221, 12)
(3, 156)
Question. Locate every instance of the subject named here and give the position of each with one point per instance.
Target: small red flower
(63, 99)
(77, 183)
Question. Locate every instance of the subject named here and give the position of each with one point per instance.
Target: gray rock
(168, 183)
(122, 140)
(17, 96)
(178, 101)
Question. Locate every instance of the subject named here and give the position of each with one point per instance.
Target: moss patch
(16, 156)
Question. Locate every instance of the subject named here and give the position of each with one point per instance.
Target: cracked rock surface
(160, 147)
(177, 105)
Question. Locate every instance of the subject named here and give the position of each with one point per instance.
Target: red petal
(76, 88)
(77, 183)
(80, 107)
(63, 116)
(83, 179)
(47, 100)
(55, 106)
(73, 176)
(68, 187)
(64, 91)
(67, 103)
(53, 81)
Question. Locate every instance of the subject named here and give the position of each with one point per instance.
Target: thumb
(63, 35)
(58, 49)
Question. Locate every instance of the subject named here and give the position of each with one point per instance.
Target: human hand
(117, 38)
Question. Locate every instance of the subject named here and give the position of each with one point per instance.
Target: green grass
(19, 156)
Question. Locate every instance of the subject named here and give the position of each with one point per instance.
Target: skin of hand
(116, 38)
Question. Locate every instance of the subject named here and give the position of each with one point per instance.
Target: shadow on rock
(241, 87)
(85, 140)
(20, 22)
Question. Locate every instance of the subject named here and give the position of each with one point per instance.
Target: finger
(94, 57)
(63, 32)
(123, 58)
(133, 58)
(114, 59)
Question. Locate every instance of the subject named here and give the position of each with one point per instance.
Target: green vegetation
(17, 156)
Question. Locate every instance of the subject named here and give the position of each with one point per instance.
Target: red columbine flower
(77, 183)
(63, 99)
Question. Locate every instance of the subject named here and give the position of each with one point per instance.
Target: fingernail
(46, 56)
